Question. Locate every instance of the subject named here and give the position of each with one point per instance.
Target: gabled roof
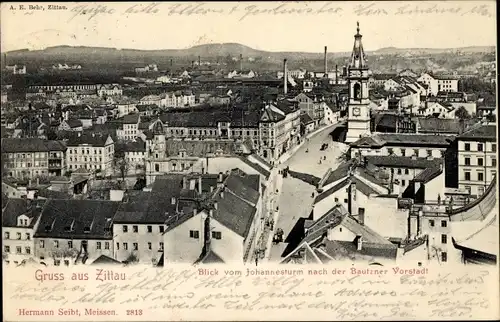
(212, 258)
(428, 174)
(78, 219)
(15, 145)
(106, 260)
(93, 139)
(16, 207)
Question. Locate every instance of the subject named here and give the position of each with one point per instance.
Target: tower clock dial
(356, 111)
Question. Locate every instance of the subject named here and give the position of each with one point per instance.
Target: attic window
(48, 228)
(86, 229)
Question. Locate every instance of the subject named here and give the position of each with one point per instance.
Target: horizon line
(235, 43)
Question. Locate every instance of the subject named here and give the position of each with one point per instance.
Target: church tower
(358, 119)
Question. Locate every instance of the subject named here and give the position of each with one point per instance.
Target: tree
(121, 164)
(132, 259)
(462, 113)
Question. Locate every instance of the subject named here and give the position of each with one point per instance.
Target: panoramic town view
(221, 153)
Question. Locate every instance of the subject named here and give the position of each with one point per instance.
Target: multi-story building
(109, 90)
(19, 221)
(129, 127)
(312, 105)
(438, 83)
(33, 157)
(91, 151)
(216, 231)
(74, 231)
(477, 158)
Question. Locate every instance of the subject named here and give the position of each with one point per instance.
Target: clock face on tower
(356, 111)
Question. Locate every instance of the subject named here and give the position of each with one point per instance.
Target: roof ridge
(239, 197)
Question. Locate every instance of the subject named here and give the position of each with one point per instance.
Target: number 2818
(134, 312)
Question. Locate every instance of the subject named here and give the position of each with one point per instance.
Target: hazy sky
(270, 26)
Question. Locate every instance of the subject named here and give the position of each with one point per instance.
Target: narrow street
(295, 196)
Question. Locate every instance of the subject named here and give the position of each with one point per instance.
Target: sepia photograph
(331, 160)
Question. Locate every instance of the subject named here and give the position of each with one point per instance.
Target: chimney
(29, 183)
(171, 62)
(336, 74)
(285, 77)
(359, 242)
(173, 200)
(184, 183)
(241, 62)
(200, 190)
(199, 60)
(325, 60)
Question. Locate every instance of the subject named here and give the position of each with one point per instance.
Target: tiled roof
(131, 118)
(203, 148)
(393, 161)
(340, 172)
(16, 207)
(428, 174)
(77, 219)
(204, 118)
(481, 132)
(137, 146)
(255, 166)
(438, 125)
(14, 145)
(348, 250)
(305, 119)
(234, 213)
(94, 139)
(414, 139)
(212, 258)
(369, 235)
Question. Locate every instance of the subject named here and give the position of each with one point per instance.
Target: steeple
(358, 59)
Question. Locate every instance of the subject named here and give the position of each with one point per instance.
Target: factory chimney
(171, 62)
(192, 64)
(241, 62)
(199, 60)
(285, 77)
(336, 74)
(326, 64)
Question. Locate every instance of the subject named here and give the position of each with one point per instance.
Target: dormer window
(48, 228)
(86, 230)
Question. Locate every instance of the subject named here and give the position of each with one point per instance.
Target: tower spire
(358, 54)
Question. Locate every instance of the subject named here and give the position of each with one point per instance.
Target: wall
(191, 248)
(341, 233)
(142, 238)
(487, 168)
(383, 216)
(14, 242)
(435, 188)
(49, 248)
(230, 246)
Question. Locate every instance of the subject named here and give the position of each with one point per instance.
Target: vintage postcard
(293, 160)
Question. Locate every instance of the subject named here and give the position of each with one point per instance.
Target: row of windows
(18, 235)
(84, 159)
(444, 223)
(480, 161)
(85, 151)
(86, 166)
(196, 234)
(19, 250)
(480, 147)
(428, 152)
(135, 229)
(41, 155)
(70, 244)
(29, 164)
(479, 175)
(135, 246)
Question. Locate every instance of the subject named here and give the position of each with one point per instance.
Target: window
(28, 250)
(57, 262)
(444, 239)
(415, 152)
(403, 152)
(345, 200)
(467, 146)
(480, 161)
(125, 246)
(480, 176)
(467, 176)
(18, 250)
(493, 162)
(135, 229)
(399, 171)
(157, 167)
(98, 245)
(429, 153)
(162, 229)
(6, 235)
(56, 243)
(125, 228)
(70, 244)
(444, 257)
(444, 223)
(403, 183)
(390, 151)
(216, 234)
(117, 246)
(7, 249)
(18, 235)
(468, 189)
(149, 246)
(161, 246)
(467, 160)
(106, 245)
(336, 199)
(480, 190)
(407, 171)
(431, 222)
(493, 147)
(480, 147)
(66, 262)
(194, 234)
(150, 229)
(136, 246)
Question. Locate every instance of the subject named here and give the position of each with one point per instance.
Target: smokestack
(285, 77)
(171, 62)
(241, 62)
(199, 60)
(326, 64)
(336, 74)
